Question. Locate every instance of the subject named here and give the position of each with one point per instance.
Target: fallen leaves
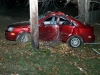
(60, 47)
(1, 58)
(63, 48)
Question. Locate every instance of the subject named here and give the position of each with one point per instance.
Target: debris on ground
(96, 51)
(60, 47)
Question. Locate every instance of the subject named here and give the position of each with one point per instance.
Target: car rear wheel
(75, 42)
(23, 38)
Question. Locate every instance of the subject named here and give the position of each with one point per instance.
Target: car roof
(55, 13)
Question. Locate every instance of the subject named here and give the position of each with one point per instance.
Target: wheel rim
(24, 38)
(75, 42)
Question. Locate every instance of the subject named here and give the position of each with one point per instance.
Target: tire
(23, 38)
(75, 42)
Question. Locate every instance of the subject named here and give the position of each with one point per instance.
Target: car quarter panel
(86, 33)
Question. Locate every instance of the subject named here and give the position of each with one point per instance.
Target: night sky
(18, 3)
(58, 6)
(13, 3)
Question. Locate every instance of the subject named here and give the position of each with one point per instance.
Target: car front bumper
(11, 36)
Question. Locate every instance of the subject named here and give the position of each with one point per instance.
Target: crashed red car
(53, 26)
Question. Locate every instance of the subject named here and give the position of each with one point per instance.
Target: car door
(66, 28)
(48, 29)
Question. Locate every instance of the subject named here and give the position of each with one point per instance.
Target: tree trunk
(83, 7)
(87, 5)
(34, 23)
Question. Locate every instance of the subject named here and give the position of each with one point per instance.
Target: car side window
(64, 21)
(51, 21)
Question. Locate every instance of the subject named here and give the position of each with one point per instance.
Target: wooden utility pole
(83, 7)
(34, 24)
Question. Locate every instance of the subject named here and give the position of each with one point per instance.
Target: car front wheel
(23, 37)
(75, 42)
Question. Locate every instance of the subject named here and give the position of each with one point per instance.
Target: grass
(26, 61)
(60, 60)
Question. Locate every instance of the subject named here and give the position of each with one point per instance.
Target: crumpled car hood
(23, 23)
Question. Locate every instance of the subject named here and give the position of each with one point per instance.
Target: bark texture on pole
(34, 23)
(83, 7)
(87, 5)
(81, 10)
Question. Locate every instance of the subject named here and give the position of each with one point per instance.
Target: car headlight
(10, 29)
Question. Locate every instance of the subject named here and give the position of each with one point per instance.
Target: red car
(53, 26)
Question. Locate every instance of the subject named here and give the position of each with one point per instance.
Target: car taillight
(10, 29)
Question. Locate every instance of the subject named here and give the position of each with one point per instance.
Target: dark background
(70, 9)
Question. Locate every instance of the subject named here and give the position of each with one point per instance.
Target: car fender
(21, 32)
